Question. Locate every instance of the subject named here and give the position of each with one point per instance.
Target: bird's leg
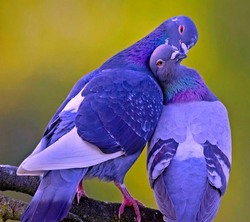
(128, 200)
(80, 192)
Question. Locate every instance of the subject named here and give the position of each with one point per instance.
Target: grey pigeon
(189, 155)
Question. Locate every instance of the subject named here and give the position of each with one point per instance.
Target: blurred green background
(47, 45)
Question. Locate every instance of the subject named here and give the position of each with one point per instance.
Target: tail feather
(54, 196)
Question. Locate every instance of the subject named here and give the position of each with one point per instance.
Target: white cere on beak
(174, 19)
(184, 47)
(174, 54)
(166, 41)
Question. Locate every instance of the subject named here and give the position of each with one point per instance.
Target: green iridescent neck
(185, 85)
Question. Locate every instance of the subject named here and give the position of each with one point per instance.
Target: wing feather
(114, 114)
(120, 110)
(70, 151)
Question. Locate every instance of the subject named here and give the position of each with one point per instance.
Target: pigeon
(189, 154)
(102, 126)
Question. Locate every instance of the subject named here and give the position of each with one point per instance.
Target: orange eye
(181, 29)
(159, 63)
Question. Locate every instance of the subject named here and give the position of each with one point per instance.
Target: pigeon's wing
(170, 132)
(61, 147)
(120, 111)
(163, 199)
(114, 114)
(158, 159)
(218, 168)
(212, 131)
(61, 123)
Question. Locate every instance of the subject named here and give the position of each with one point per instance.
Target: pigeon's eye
(181, 29)
(159, 63)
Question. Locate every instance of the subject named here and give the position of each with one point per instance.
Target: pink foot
(128, 200)
(80, 192)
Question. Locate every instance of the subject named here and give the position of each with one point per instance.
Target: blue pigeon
(102, 126)
(189, 154)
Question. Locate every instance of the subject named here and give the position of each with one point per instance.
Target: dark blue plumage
(189, 155)
(122, 98)
(103, 125)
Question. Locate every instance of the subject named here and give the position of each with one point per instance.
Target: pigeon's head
(164, 61)
(182, 33)
(179, 32)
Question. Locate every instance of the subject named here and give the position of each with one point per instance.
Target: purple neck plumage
(186, 85)
(136, 57)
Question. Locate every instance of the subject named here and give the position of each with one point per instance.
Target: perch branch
(88, 210)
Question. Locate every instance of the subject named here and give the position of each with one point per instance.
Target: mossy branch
(88, 210)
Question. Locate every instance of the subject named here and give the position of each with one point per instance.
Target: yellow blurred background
(47, 45)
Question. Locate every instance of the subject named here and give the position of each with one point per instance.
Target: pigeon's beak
(178, 56)
(184, 48)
